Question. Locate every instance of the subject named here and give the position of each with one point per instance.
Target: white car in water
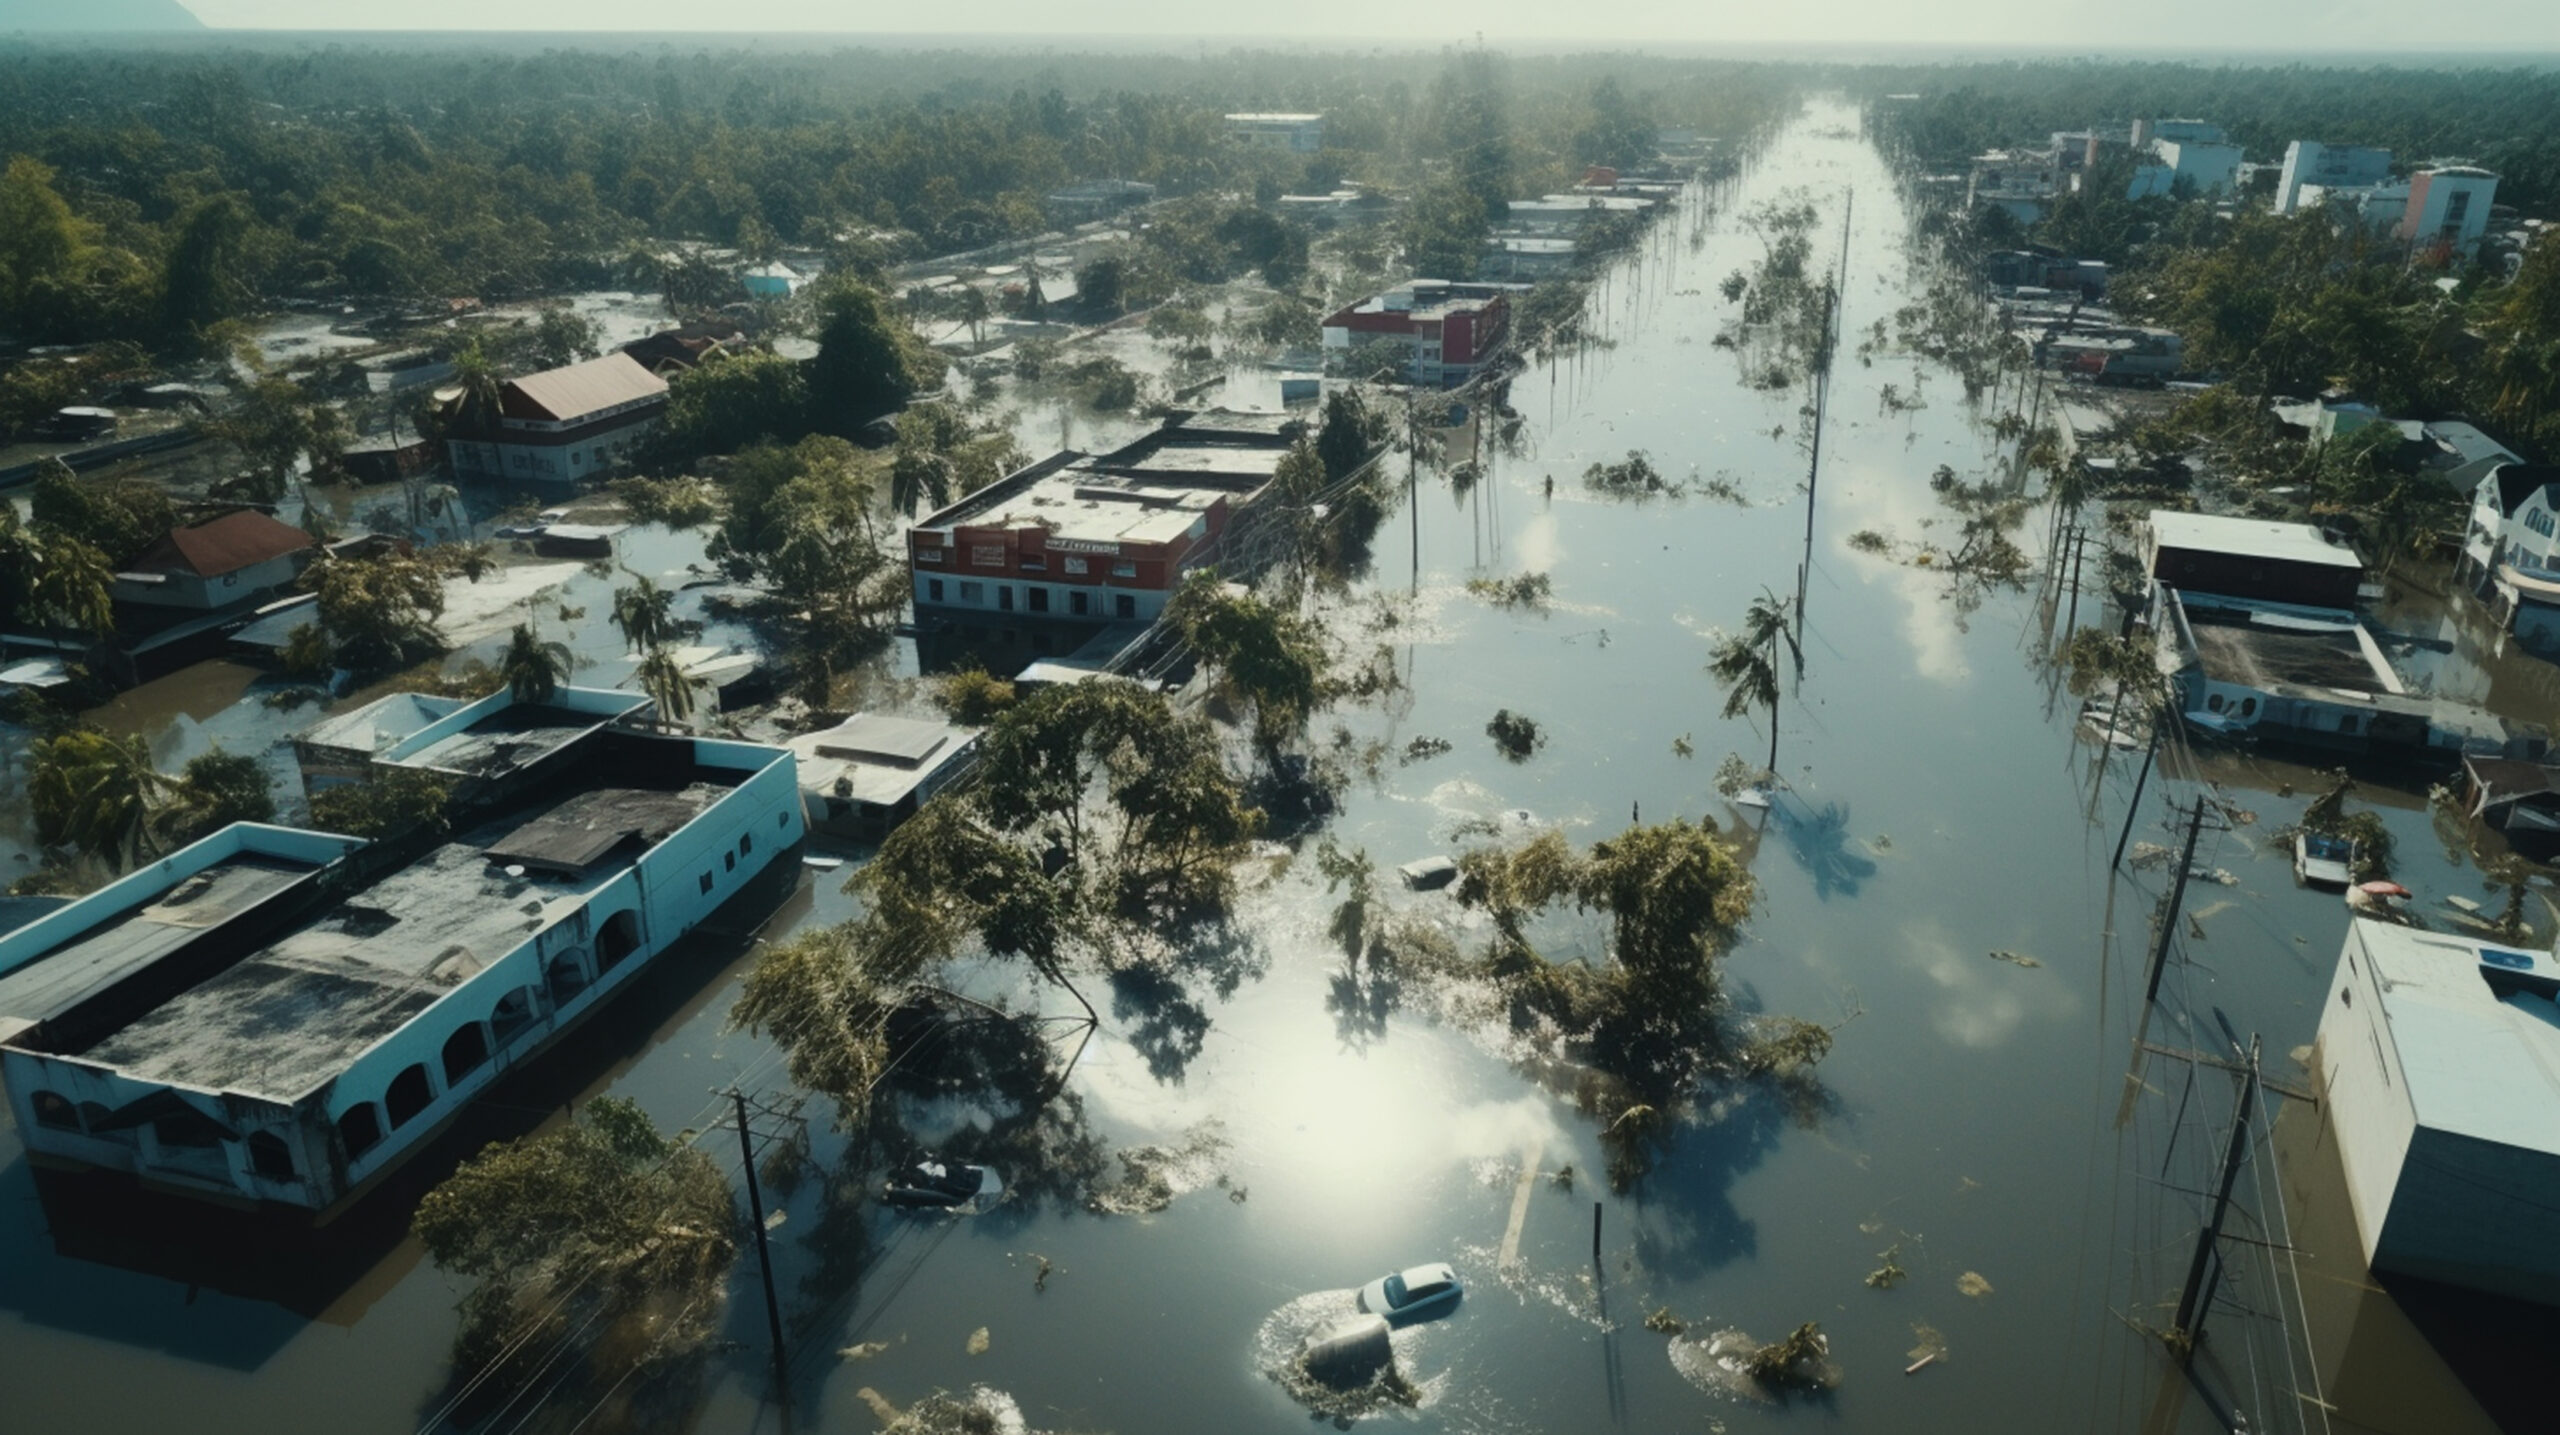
(1415, 1294)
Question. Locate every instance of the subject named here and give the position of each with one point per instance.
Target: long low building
(565, 425)
(281, 1016)
(2439, 1062)
(1098, 538)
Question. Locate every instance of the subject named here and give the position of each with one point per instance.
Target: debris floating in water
(1928, 1346)
(864, 1351)
(979, 1340)
(1889, 1274)
(1664, 1321)
(1152, 1176)
(1972, 1284)
(2015, 959)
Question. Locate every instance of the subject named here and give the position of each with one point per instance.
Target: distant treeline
(155, 191)
(2507, 120)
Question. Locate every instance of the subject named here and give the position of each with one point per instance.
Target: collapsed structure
(275, 1015)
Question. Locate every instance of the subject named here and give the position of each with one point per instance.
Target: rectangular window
(1124, 570)
(706, 883)
(1035, 565)
(729, 861)
(933, 590)
(1078, 565)
(1004, 596)
(746, 843)
(1039, 599)
(928, 555)
(1126, 605)
(987, 555)
(1079, 602)
(973, 592)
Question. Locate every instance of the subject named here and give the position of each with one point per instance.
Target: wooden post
(1595, 1235)
(764, 1253)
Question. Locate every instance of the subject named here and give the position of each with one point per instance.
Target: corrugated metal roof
(566, 395)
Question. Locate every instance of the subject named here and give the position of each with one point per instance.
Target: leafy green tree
(2521, 378)
(563, 336)
(533, 667)
(1102, 285)
(973, 697)
(208, 271)
(1616, 131)
(214, 790)
(118, 516)
(869, 361)
(40, 238)
(735, 400)
(662, 676)
(73, 587)
(1352, 432)
(804, 519)
(94, 792)
(1270, 658)
(274, 428)
(378, 613)
(1444, 229)
(1747, 662)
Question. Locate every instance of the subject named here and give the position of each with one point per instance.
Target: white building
(564, 425)
(2439, 1063)
(228, 562)
(2187, 166)
(281, 1016)
(2327, 167)
(1296, 133)
(2448, 208)
(871, 772)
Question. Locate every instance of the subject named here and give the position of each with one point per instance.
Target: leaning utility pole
(2196, 1299)
(764, 1252)
(2177, 896)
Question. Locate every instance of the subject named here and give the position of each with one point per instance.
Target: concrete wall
(143, 885)
(2365, 1098)
(592, 456)
(190, 591)
(2478, 1214)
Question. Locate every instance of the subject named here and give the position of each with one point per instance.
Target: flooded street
(1940, 811)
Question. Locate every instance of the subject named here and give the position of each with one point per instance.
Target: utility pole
(764, 1252)
(2177, 896)
(2197, 1298)
(2133, 809)
(2079, 552)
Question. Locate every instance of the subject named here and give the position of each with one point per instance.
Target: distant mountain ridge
(72, 16)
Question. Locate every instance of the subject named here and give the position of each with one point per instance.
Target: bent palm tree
(533, 668)
(645, 613)
(94, 792)
(72, 588)
(1747, 662)
(669, 686)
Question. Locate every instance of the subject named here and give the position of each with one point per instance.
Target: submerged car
(1414, 1294)
(2320, 860)
(932, 1182)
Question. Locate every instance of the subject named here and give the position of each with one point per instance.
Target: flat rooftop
(2478, 1061)
(510, 738)
(70, 974)
(377, 725)
(2249, 537)
(291, 1015)
(878, 759)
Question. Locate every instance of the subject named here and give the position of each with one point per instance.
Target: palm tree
(918, 474)
(644, 612)
(974, 311)
(482, 390)
(663, 678)
(95, 792)
(534, 669)
(1747, 663)
(73, 588)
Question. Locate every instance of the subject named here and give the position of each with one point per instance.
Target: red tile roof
(224, 545)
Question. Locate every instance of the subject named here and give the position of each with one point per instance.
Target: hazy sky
(2317, 25)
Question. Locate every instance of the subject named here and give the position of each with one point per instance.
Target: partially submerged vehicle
(1428, 874)
(936, 1184)
(2324, 861)
(1415, 1294)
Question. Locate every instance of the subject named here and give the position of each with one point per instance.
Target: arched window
(618, 938)
(567, 977)
(2213, 702)
(464, 1051)
(270, 1158)
(408, 1095)
(91, 1114)
(55, 1111)
(512, 1014)
(360, 1129)
(2248, 707)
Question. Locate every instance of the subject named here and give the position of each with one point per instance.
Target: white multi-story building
(1296, 133)
(282, 1016)
(2448, 208)
(2328, 167)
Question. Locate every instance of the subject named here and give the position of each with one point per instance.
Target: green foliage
(1636, 477)
(95, 793)
(679, 503)
(804, 520)
(735, 400)
(391, 801)
(1443, 230)
(1521, 590)
(671, 689)
(214, 790)
(973, 697)
(869, 361)
(378, 613)
(1515, 735)
(1351, 434)
(563, 336)
(1273, 659)
(644, 612)
(532, 667)
(117, 515)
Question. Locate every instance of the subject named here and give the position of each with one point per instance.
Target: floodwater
(1940, 810)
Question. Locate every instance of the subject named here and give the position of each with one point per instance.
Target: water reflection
(1818, 838)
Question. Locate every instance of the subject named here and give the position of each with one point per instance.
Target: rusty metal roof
(225, 545)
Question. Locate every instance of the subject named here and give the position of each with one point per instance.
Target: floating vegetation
(1683, 748)
(979, 1340)
(1731, 1362)
(1737, 775)
(980, 1412)
(1348, 1388)
(1889, 1273)
(1928, 1347)
(864, 1351)
(1634, 478)
(1971, 1283)
(1041, 1273)
(1526, 590)
(1516, 736)
(1799, 1362)
(1664, 1321)
(1152, 1176)
(1869, 540)
(2015, 959)
(1786, 1045)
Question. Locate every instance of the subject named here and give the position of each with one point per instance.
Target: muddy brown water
(1940, 812)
